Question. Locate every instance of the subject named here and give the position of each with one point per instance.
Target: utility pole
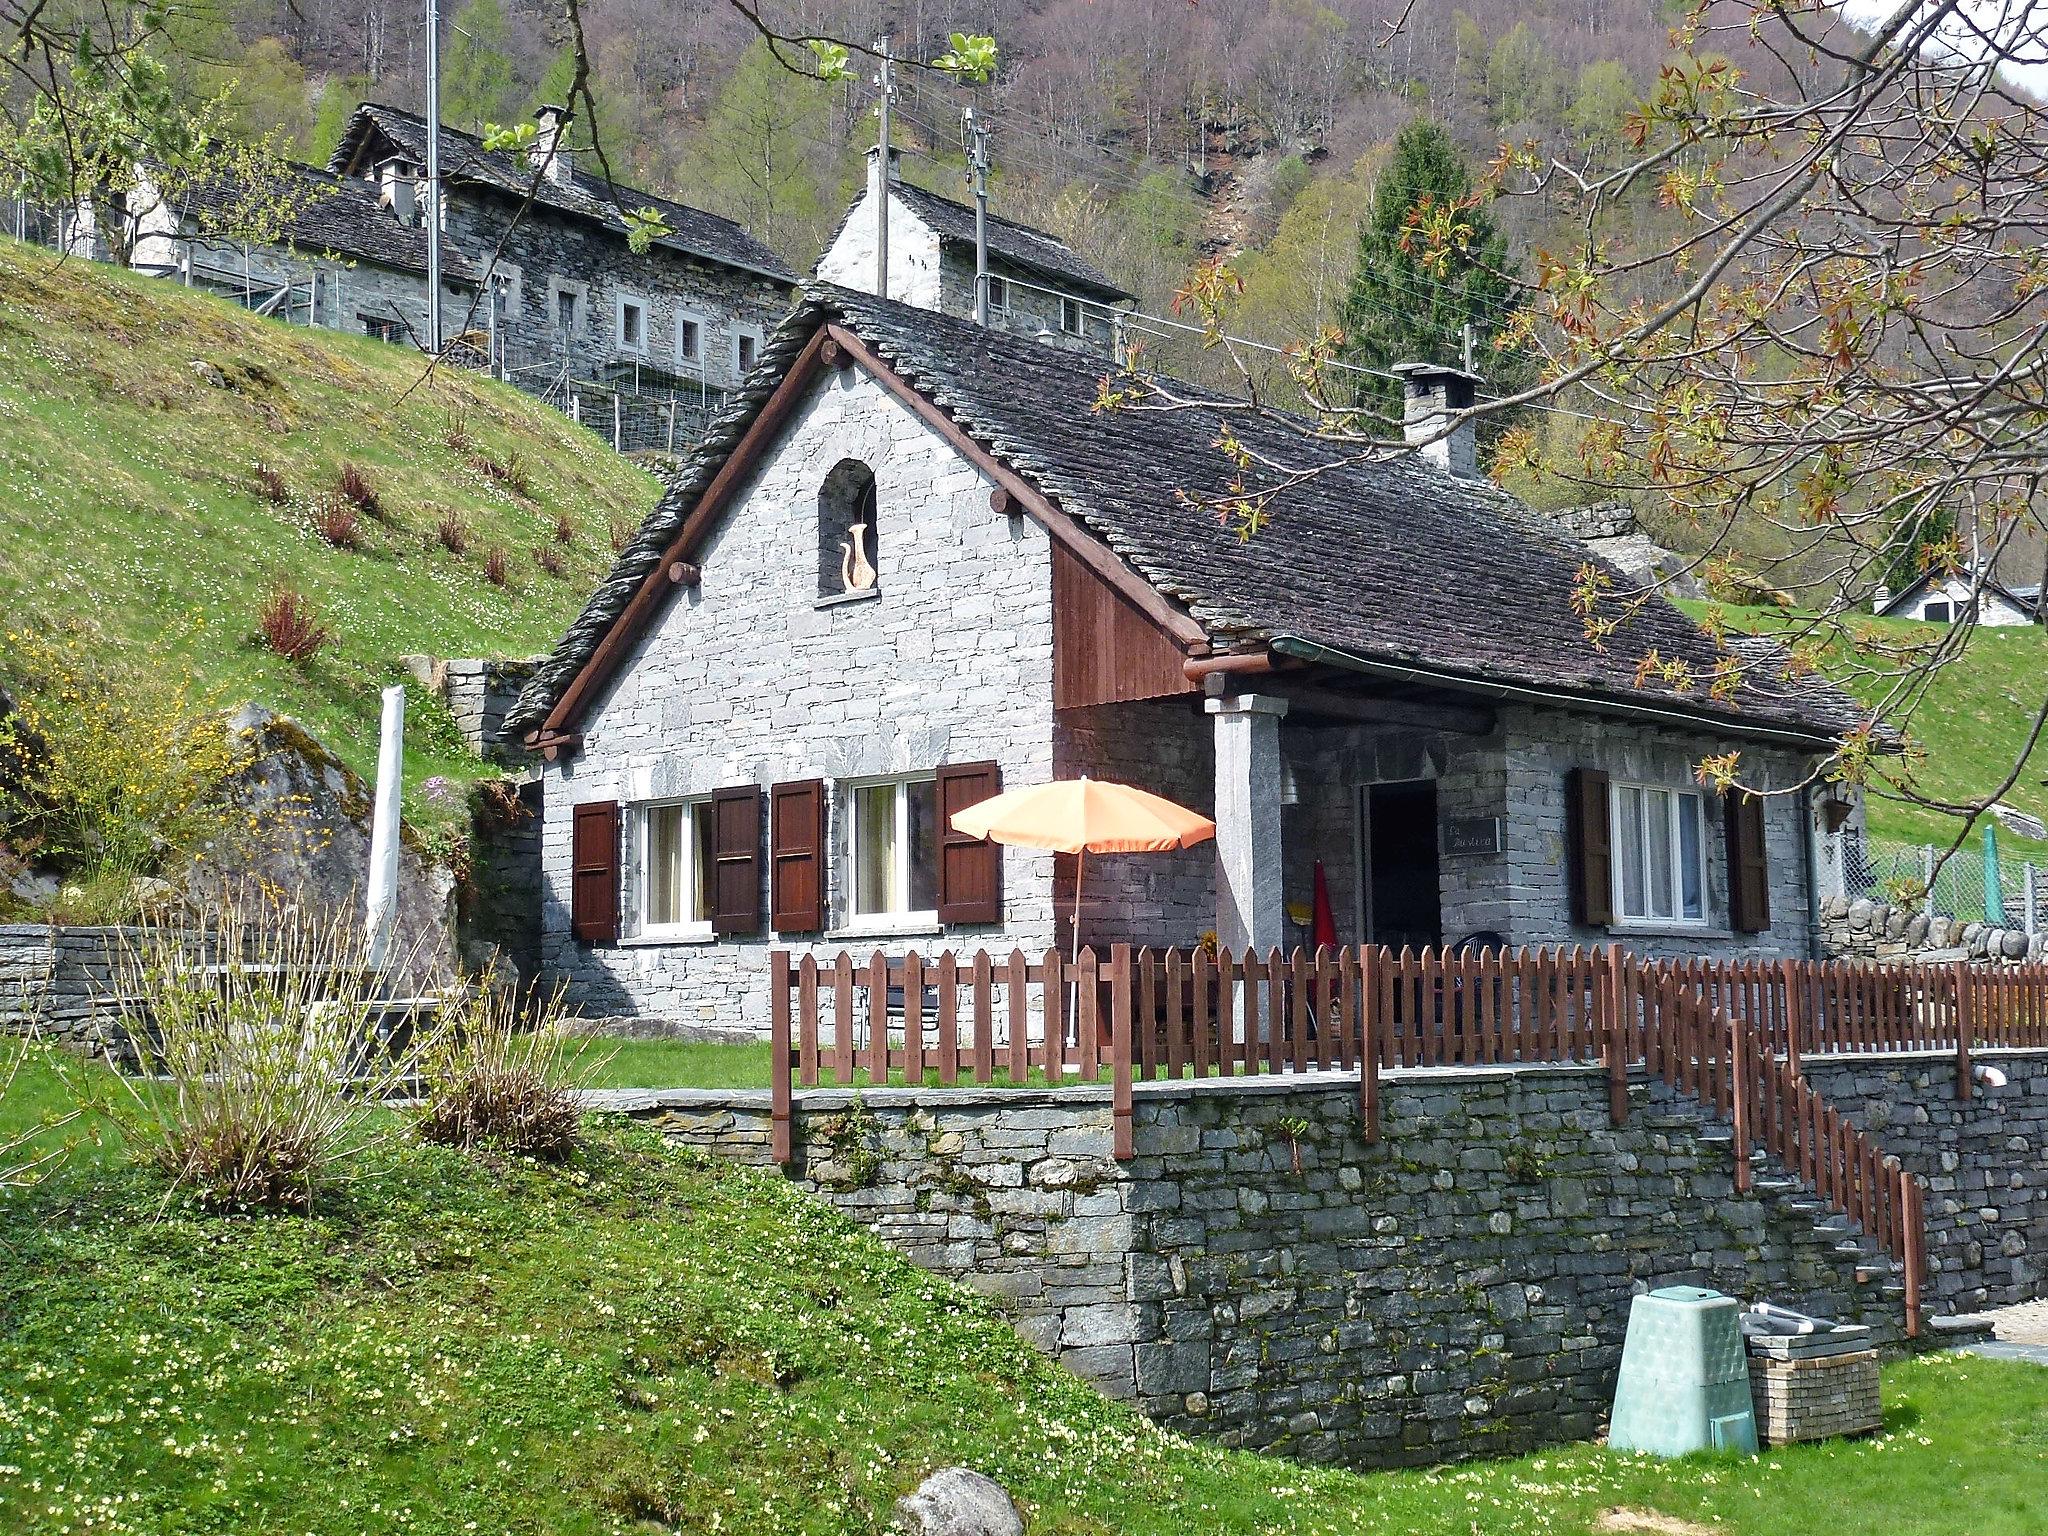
(977, 165)
(887, 81)
(434, 178)
(1467, 339)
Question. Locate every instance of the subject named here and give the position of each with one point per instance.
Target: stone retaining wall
(1872, 930)
(1985, 1160)
(57, 979)
(1260, 1274)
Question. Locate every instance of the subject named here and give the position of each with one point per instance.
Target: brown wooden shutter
(970, 868)
(736, 861)
(796, 851)
(594, 872)
(1592, 855)
(1749, 875)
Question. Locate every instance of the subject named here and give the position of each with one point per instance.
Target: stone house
(555, 287)
(1038, 285)
(1944, 597)
(913, 563)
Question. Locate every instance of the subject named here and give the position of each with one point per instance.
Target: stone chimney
(895, 167)
(1429, 393)
(398, 189)
(549, 154)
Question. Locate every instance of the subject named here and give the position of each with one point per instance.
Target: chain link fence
(2010, 892)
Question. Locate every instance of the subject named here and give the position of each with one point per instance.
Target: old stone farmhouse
(914, 562)
(1038, 286)
(556, 287)
(1950, 597)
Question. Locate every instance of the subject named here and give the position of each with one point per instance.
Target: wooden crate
(1815, 1399)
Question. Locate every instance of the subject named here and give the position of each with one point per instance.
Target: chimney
(1430, 392)
(1881, 598)
(549, 154)
(397, 189)
(895, 167)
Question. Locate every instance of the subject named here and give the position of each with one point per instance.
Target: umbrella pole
(1074, 994)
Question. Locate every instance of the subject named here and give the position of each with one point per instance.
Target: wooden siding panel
(1104, 650)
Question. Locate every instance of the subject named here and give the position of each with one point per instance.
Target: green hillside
(134, 512)
(1968, 729)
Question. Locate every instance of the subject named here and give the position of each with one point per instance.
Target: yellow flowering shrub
(107, 776)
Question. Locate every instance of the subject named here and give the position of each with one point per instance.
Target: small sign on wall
(1469, 835)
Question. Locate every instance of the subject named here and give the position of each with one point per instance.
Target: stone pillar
(1250, 910)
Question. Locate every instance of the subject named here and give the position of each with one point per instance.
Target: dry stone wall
(1873, 930)
(1260, 1274)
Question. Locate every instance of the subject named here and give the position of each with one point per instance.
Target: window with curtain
(676, 891)
(895, 845)
(1659, 843)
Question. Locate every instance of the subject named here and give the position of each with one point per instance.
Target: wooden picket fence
(1730, 1034)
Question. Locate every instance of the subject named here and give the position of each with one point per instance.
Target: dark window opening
(1400, 849)
(749, 349)
(565, 311)
(847, 547)
(688, 340)
(382, 329)
(1071, 316)
(1939, 613)
(998, 292)
(630, 322)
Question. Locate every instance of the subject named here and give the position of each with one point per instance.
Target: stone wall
(1871, 930)
(1260, 1274)
(479, 693)
(57, 980)
(753, 678)
(1985, 1160)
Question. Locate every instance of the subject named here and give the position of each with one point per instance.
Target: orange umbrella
(1084, 816)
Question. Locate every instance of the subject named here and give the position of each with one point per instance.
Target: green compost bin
(1684, 1383)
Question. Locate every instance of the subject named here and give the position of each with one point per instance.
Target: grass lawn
(1973, 722)
(133, 515)
(640, 1341)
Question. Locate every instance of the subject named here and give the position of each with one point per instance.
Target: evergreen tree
(476, 77)
(1399, 309)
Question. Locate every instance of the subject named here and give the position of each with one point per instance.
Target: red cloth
(1322, 924)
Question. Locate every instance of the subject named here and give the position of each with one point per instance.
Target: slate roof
(337, 216)
(2023, 597)
(1018, 244)
(463, 157)
(1397, 562)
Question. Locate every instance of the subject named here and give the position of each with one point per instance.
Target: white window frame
(852, 795)
(744, 333)
(685, 317)
(1676, 797)
(697, 927)
(620, 304)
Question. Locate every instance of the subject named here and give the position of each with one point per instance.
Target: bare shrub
(290, 625)
(494, 1077)
(623, 529)
(270, 485)
(265, 1062)
(336, 522)
(457, 436)
(511, 473)
(565, 529)
(549, 559)
(497, 568)
(355, 486)
(453, 532)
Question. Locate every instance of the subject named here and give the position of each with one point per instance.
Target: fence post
(1369, 1042)
(1966, 1025)
(1915, 1257)
(1124, 1143)
(1608, 994)
(1795, 1011)
(1739, 1093)
(779, 1139)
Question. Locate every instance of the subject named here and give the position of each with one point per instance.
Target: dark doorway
(1399, 853)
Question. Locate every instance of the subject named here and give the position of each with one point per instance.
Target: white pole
(977, 161)
(433, 178)
(887, 82)
(381, 899)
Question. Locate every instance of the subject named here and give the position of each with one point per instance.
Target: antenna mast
(977, 164)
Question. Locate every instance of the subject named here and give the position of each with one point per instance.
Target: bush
(108, 777)
(270, 485)
(511, 474)
(290, 626)
(549, 559)
(497, 569)
(263, 1071)
(355, 487)
(565, 529)
(493, 1078)
(453, 532)
(622, 531)
(336, 522)
(457, 436)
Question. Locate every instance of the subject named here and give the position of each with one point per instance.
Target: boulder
(959, 1502)
(305, 843)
